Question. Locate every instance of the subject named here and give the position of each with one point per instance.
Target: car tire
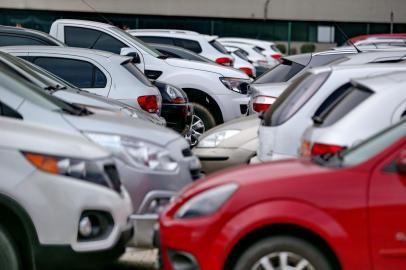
(205, 115)
(275, 250)
(8, 253)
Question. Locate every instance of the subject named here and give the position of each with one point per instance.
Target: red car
(346, 211)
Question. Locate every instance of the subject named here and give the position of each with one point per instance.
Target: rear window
(136, 72)
(188, 44)
(241, 54)
(293, 98)
(280, 73)
(218, 46)
(346, 103)
(275, 49)
(258, 49)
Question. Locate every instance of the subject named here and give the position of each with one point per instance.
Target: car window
(80, 73)
(280, 73)
(158, 40)
(346, 103)
(141, 44)
(11, 40)
(293, 98)
(6, 111)
(169, 53)
(92, 39)
(275, 49)
(258, 49)
(218, 46)
(130, 67)
(241, 54)
(191, 45)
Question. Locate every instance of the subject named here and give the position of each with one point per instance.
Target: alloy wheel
(283, 261)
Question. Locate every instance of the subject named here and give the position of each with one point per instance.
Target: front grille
(114, 178)
(187, 152)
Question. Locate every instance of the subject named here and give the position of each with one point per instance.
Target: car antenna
(97, 12)
(348, 39)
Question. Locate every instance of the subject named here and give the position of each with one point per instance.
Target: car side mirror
(131, 52)
(401, 162)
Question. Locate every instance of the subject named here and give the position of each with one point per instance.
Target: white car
(218, 93)
(61, 201)
(267, 48)
(256, 57)
(204, 45)
(98, 72)
(242, 62)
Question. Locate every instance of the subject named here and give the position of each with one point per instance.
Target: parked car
(286, 120)
(229, 144)
(267, 48)
(13, 36)
(242, 62)
(347, 122)
(342, 213)
(62, 201)
(218, 93)
(99, 72)
(154, 162)
(206, 46)
(69, 93)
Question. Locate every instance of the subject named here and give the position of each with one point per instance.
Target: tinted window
(331, 100)
(322, 60)
(9, 40)
(293, 98)
(258, 49)
(280, 73)
(136, 72)
(169, 53)
(347, 102)
(218, 46)
(92, 39)
(240, 54)
(80, 73)
(6, 111)
(159, 40)
(191, 45)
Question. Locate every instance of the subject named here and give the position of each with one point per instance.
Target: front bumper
(215, 159)
(57, 256)
(233, 105)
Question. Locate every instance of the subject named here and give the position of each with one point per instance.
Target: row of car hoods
(87, 160)
(340, 206)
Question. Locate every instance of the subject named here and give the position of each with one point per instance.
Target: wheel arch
(286, 230)
(18, 223)
(201, 97)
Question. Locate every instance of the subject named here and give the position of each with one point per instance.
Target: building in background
(301, 21)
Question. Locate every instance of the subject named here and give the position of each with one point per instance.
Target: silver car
(284, 123)
(154, 162)
(70, 93)
(103, 73)
(368, 105)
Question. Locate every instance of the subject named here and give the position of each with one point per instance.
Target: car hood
(209, 67)
(268, 89)
(248, 127)
(258, 177)
(109, 123)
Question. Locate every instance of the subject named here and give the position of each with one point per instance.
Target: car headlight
(136, 153)
(86, 170)
(207, 202)
(215, 139)
(236, 84)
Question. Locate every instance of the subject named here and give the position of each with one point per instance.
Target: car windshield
(369, 148)
(280, 73)
(144, 46)
(36, 95)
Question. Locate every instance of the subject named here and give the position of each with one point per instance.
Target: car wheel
(284, 253)
(8, 252)
(202, 120)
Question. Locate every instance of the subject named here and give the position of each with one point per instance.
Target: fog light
(85, 227)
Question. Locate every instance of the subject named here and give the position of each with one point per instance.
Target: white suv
(218, 93)
(61, 201)
(206, 46)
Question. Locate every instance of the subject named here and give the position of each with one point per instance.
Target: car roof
(86, 22)
(384, 35)
(65, 50)
(172, 31)
(385, 82)
(247, 40)
(29, 32)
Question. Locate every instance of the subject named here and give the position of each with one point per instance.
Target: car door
(387, 213)
(79, 72)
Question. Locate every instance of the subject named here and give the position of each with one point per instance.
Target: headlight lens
(215, 139)
(72, 167)
(207, 202)
(236, 84)
(136, 153)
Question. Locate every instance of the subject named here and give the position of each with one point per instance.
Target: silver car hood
(110, 123)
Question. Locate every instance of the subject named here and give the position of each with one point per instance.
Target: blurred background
(295, 25)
